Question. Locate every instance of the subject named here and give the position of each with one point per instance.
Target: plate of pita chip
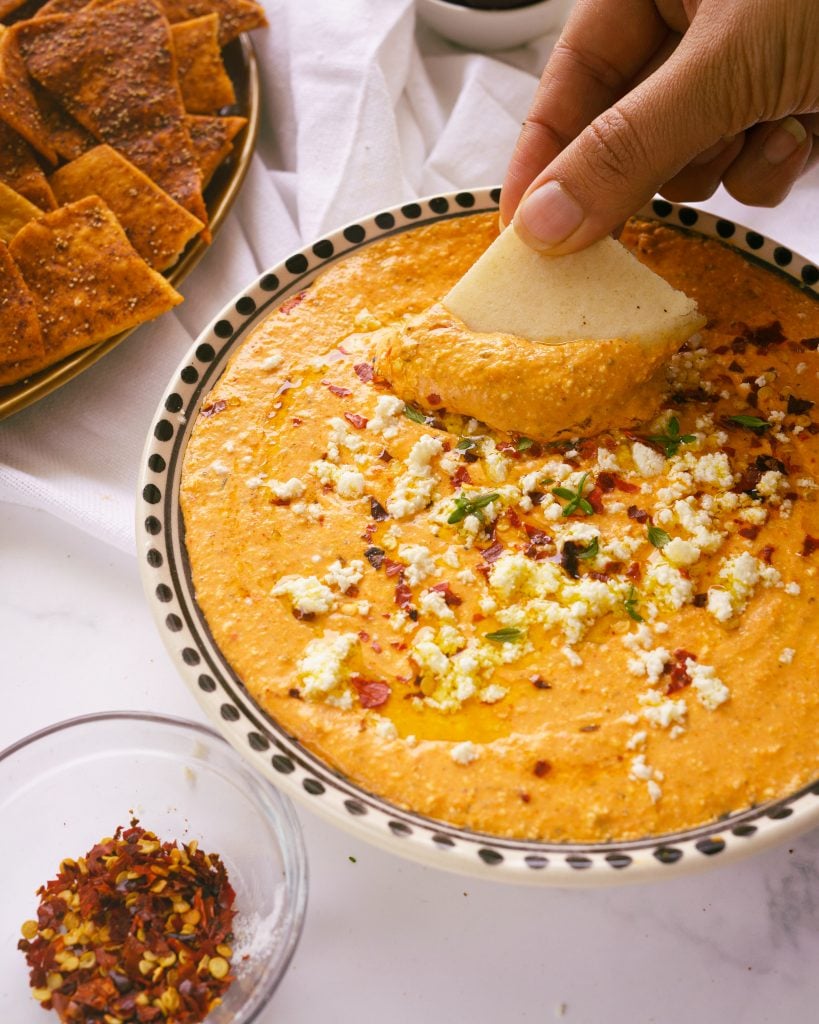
(126, 129)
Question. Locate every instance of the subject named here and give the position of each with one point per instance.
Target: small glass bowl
(66, 787)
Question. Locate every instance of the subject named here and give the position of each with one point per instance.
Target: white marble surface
(385, 939)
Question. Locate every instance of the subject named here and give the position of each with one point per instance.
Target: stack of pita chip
(113, 119)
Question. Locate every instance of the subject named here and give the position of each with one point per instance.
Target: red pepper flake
(798, 406)
(749, 532)
(375, 556)
(542, 768)
(403, 595)
(634, 571)
(369, 530)
(449, 597)
(461, 476)
(384, 455)
(377, 511)
(766, 553)
(337, 389)
(359, 422)
(540, 683)
(595, 499)
(372, 693)
(678, 670)
(153, 929)
(637, 514)
(393, 568)
(364, 371)
(214, 408)
(434, 399)
(290, 304)
(492, 553)
(809, 545)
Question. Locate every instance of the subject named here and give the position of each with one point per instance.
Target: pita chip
(156, 226)
(87, 280)
(15, 211)
(235, 16)
(212, 141)
(20, 336)
(139, 109)
(203, 80)
(18, 107)
(68, 138)
(20, 170)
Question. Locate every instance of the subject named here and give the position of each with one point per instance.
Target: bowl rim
(169, 591)
(267, 800)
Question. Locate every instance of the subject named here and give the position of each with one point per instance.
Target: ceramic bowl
(66, 787)
(488, 30)
(262, 741)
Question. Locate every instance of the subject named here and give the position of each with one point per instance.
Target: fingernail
(784, 141)
(550, 214)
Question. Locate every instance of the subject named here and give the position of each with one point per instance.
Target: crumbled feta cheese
(273, 361)
(344, 577)
(649, 462)
(385, 729)
(308, 595)
(433, 603)
(710, 689)
(287, 490)
(681, 552)
(414, 488)
(322, 668)
(715, 469)
(419, 563)
(387, 416)
(350, 484)
(464, 753)
(786, 655)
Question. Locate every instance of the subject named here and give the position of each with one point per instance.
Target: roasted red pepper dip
(136, 930)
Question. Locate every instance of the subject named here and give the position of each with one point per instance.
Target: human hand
(674, 96)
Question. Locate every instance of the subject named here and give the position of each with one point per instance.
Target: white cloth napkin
(361, 109)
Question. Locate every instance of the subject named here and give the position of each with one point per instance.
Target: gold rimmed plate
(241, 65)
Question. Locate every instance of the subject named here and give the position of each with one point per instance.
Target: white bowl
(493, 29)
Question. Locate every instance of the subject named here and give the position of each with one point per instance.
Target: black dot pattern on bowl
(442, 841)
(398, 828)
(153, 526)
(490, 856)
(782, 256)
(257, 741)
(778, 813)
(725, 228)
(245, 306)
(269, 283)
(173, 403)
(313, 786)
(661, 207)
(754, 239)
(223, 328)
(411, 210)
(163, 431)
(536, 861)
(710, 846)
(465, 199)
(189, 374)
(190, 656)
(206, 683)
(439, 204)
(296, 264)
(384, 221)
(355, 233)
(323, 249)
(810, 274)
(173, 622)
(154, 558)
(743, 831)
(163, 593)
(152, 494)
(229, 712)
(495, 195)
(156, 463)
(688, 216)
(355, 807)
(618, 860)
(282, 764)
(205, 352)
(578, 861)
(668, 854)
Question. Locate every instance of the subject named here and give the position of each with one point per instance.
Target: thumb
(626, 154)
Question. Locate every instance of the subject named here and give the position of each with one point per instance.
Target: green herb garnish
(630, 604)
(574, 499)
(591, 551)
(754, 423)
(659, 538)
(414, 414)
(671, 440)
(524, 444)
(471, 507)
(507, 635)
(466, 444)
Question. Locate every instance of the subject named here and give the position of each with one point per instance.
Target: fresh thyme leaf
(466, 444)
(751, 422)
(659, 538)
(591, 550)
(524, 444)
(507, 635)
(414, 414)
(574, 499)
(471, 506)
(671, 440)
(630, 604)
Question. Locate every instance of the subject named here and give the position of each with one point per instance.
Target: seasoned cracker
(203, 80)
(20, 170)
(235, 16)
(212, 140)
(15, 211)
(88, 281)
(156, 226)
(137, 110)
(68, 138)
(18, 107)
(20, 335)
